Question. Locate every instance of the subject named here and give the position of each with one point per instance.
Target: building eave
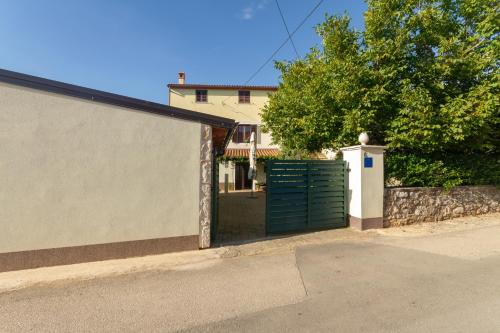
(99, 96)
(220, 87)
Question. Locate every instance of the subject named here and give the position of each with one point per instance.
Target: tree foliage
(422, 78)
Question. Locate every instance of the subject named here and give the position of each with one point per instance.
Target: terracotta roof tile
(244, 152)
(220, 86)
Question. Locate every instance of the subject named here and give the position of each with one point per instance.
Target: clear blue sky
(135, 48)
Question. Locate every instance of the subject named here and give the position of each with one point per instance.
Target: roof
(66, 89)
(265, 153)
(245, 152)
(220, 86)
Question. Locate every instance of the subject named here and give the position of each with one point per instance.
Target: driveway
(242, 216)
(413, 279)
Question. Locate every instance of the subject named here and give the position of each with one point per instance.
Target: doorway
(241, 176)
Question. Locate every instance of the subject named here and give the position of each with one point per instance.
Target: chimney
(182, 77)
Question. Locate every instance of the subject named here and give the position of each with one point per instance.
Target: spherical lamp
(363, 138)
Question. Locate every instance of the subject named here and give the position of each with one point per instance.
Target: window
(201, 96)
(244, 96)
(243, 132)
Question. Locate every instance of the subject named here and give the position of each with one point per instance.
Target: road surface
(445, 282)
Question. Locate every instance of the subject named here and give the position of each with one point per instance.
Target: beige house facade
(88, 175)
(242, 103)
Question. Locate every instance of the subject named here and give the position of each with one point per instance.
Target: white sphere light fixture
(363, 138)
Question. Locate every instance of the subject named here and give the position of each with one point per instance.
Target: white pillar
(366, 185)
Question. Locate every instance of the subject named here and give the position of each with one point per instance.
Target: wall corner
(206, 147)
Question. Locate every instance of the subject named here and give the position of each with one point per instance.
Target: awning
(261, 152)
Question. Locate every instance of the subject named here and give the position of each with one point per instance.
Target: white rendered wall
(353, 159)
(224, 103)
(76, 172)
(373, 184)
(366, 185)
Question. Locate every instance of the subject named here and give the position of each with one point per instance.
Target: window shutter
(258, 134)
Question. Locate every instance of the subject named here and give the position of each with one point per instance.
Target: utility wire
(286, 27)
(280, 47)
(283, 44)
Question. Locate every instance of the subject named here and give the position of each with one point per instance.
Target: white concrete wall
(373, 184)
(75, 172)
(229, 169)
(366, 185)
(353, 159)
(261, 175)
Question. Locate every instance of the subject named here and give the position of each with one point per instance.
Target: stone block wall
(409, 205)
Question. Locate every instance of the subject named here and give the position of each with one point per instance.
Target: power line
(286, 27)
(283, 44)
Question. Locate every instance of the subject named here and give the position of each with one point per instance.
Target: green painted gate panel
(305, 195)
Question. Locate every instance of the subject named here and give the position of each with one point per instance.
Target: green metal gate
(305, 195)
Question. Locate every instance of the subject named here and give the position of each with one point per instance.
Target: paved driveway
(444, 282)
(242, 216)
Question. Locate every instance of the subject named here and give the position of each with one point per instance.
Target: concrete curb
(188, 260)
(15, 280)
(192, 260)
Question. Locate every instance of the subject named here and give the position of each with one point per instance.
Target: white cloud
(248, 12)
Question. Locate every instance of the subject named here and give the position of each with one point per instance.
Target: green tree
(422, 78)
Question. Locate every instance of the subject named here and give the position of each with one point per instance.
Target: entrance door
(241, 174)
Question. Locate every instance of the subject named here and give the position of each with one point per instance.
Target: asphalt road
(433, 283)
(379, 288)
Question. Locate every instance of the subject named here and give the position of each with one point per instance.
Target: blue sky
(135, 48)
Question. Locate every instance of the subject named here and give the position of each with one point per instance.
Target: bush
(446, 170)
(423, 78)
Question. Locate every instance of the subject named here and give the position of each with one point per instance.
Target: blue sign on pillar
(368, 161)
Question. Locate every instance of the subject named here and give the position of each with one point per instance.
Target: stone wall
(424, 204)
(205, 185)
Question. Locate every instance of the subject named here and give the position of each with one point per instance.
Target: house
(242, 103)
(89, 175)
